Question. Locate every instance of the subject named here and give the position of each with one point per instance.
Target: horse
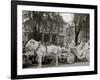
(41, 50)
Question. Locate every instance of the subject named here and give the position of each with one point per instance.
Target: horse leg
(40, 61)
(27, 61)
(56, 60)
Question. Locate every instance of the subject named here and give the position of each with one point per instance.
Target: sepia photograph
(55, 39)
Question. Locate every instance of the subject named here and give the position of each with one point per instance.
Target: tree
(81, 22)
(42, 22)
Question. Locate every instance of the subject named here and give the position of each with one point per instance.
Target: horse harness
(39, 47)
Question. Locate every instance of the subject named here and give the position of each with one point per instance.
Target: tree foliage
(81, 22)
(42, 22)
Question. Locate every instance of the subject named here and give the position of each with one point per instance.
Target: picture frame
(18, 8)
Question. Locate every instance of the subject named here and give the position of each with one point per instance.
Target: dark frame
(14, 39)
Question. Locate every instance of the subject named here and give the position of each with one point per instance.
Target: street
(59, 65)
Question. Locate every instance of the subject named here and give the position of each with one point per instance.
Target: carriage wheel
(62, 58)
(70, 58)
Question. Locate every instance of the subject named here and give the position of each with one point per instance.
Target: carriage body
(81, 51)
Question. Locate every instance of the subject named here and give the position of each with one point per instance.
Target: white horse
(42, 50)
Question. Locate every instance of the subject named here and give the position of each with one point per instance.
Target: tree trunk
(76, 38)
(43, 37)
(51, 38)
(57, 38)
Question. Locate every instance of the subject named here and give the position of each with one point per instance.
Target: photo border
(14, 39)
